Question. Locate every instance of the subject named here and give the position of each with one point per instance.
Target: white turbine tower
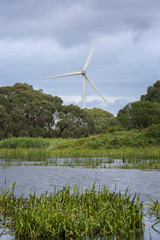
(84, 77)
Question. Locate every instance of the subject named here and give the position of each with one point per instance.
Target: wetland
(78, 176)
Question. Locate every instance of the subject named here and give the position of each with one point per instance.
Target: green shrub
(112, 129)
(153, 131)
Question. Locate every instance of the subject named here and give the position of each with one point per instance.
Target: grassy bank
(130, 146)
(72, 214)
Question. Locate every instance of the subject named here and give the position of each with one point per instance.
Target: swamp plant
(154, 209)
(72, 214)
(121, 145)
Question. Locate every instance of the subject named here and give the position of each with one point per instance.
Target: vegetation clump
(154, 209)
(118, 139)
(72, 214)
(23, 142)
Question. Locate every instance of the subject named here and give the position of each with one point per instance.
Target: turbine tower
(84, 77)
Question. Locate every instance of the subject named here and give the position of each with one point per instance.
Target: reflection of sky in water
(43, 178)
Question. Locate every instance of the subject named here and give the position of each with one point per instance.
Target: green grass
(72, 214)
(131, 146)
(24, 142)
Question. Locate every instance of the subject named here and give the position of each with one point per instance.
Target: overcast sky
(44, 38)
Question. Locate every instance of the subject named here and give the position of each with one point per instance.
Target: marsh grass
(117, 146)
(154, 209)
(141, 158)
(24, 142)
(31, 154)
(72, 214)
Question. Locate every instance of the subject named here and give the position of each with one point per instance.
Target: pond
(42, 179)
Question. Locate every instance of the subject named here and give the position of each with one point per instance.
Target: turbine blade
(91, 83)
(89, 57)
(64, 75)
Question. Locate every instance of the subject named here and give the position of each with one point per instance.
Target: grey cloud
(71, 22)
(43, 38)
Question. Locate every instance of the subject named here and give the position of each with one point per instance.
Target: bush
(153, 131)
(112, 129)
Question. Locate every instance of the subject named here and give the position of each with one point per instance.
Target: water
(42, 179)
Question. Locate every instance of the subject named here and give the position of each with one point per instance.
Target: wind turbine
(84, 77)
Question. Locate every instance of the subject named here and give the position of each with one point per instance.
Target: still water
(42, 179)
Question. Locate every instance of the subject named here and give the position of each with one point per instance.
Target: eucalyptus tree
(73, 122)
(102, 119)
(4, 122)
(153, 93)
(32, 113)
(139, 114)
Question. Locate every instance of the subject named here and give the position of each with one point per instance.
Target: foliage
(4, 122)
(119, 144)
(72, 214)
(112, 129)
(22, 142)
(140, 114)
(101, 119)
(27, 112)
(73, 122)
(111, 140)
(154, 209)
(128, 157)
(153, 93)
(153, 131)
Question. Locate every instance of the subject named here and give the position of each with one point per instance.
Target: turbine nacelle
(84, 77)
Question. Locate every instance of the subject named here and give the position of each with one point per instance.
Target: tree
(73, 122)
(32, 113)
(139, 114)
(101, 118)
(4, 122)
(153, 93)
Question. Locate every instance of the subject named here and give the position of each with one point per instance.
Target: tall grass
(125, 153)
(132, 157)
(32, 154)
(72, 214)
(24, 142)
(40, 149)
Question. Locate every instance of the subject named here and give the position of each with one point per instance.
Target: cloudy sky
(44, 38)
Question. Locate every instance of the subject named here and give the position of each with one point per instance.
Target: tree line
(25, 112)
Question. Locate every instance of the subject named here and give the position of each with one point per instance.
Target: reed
(31, 154)
(72, 214)
(24, 142)
(154, 209)
(142, 158)
(117, 146)
(125, 153)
